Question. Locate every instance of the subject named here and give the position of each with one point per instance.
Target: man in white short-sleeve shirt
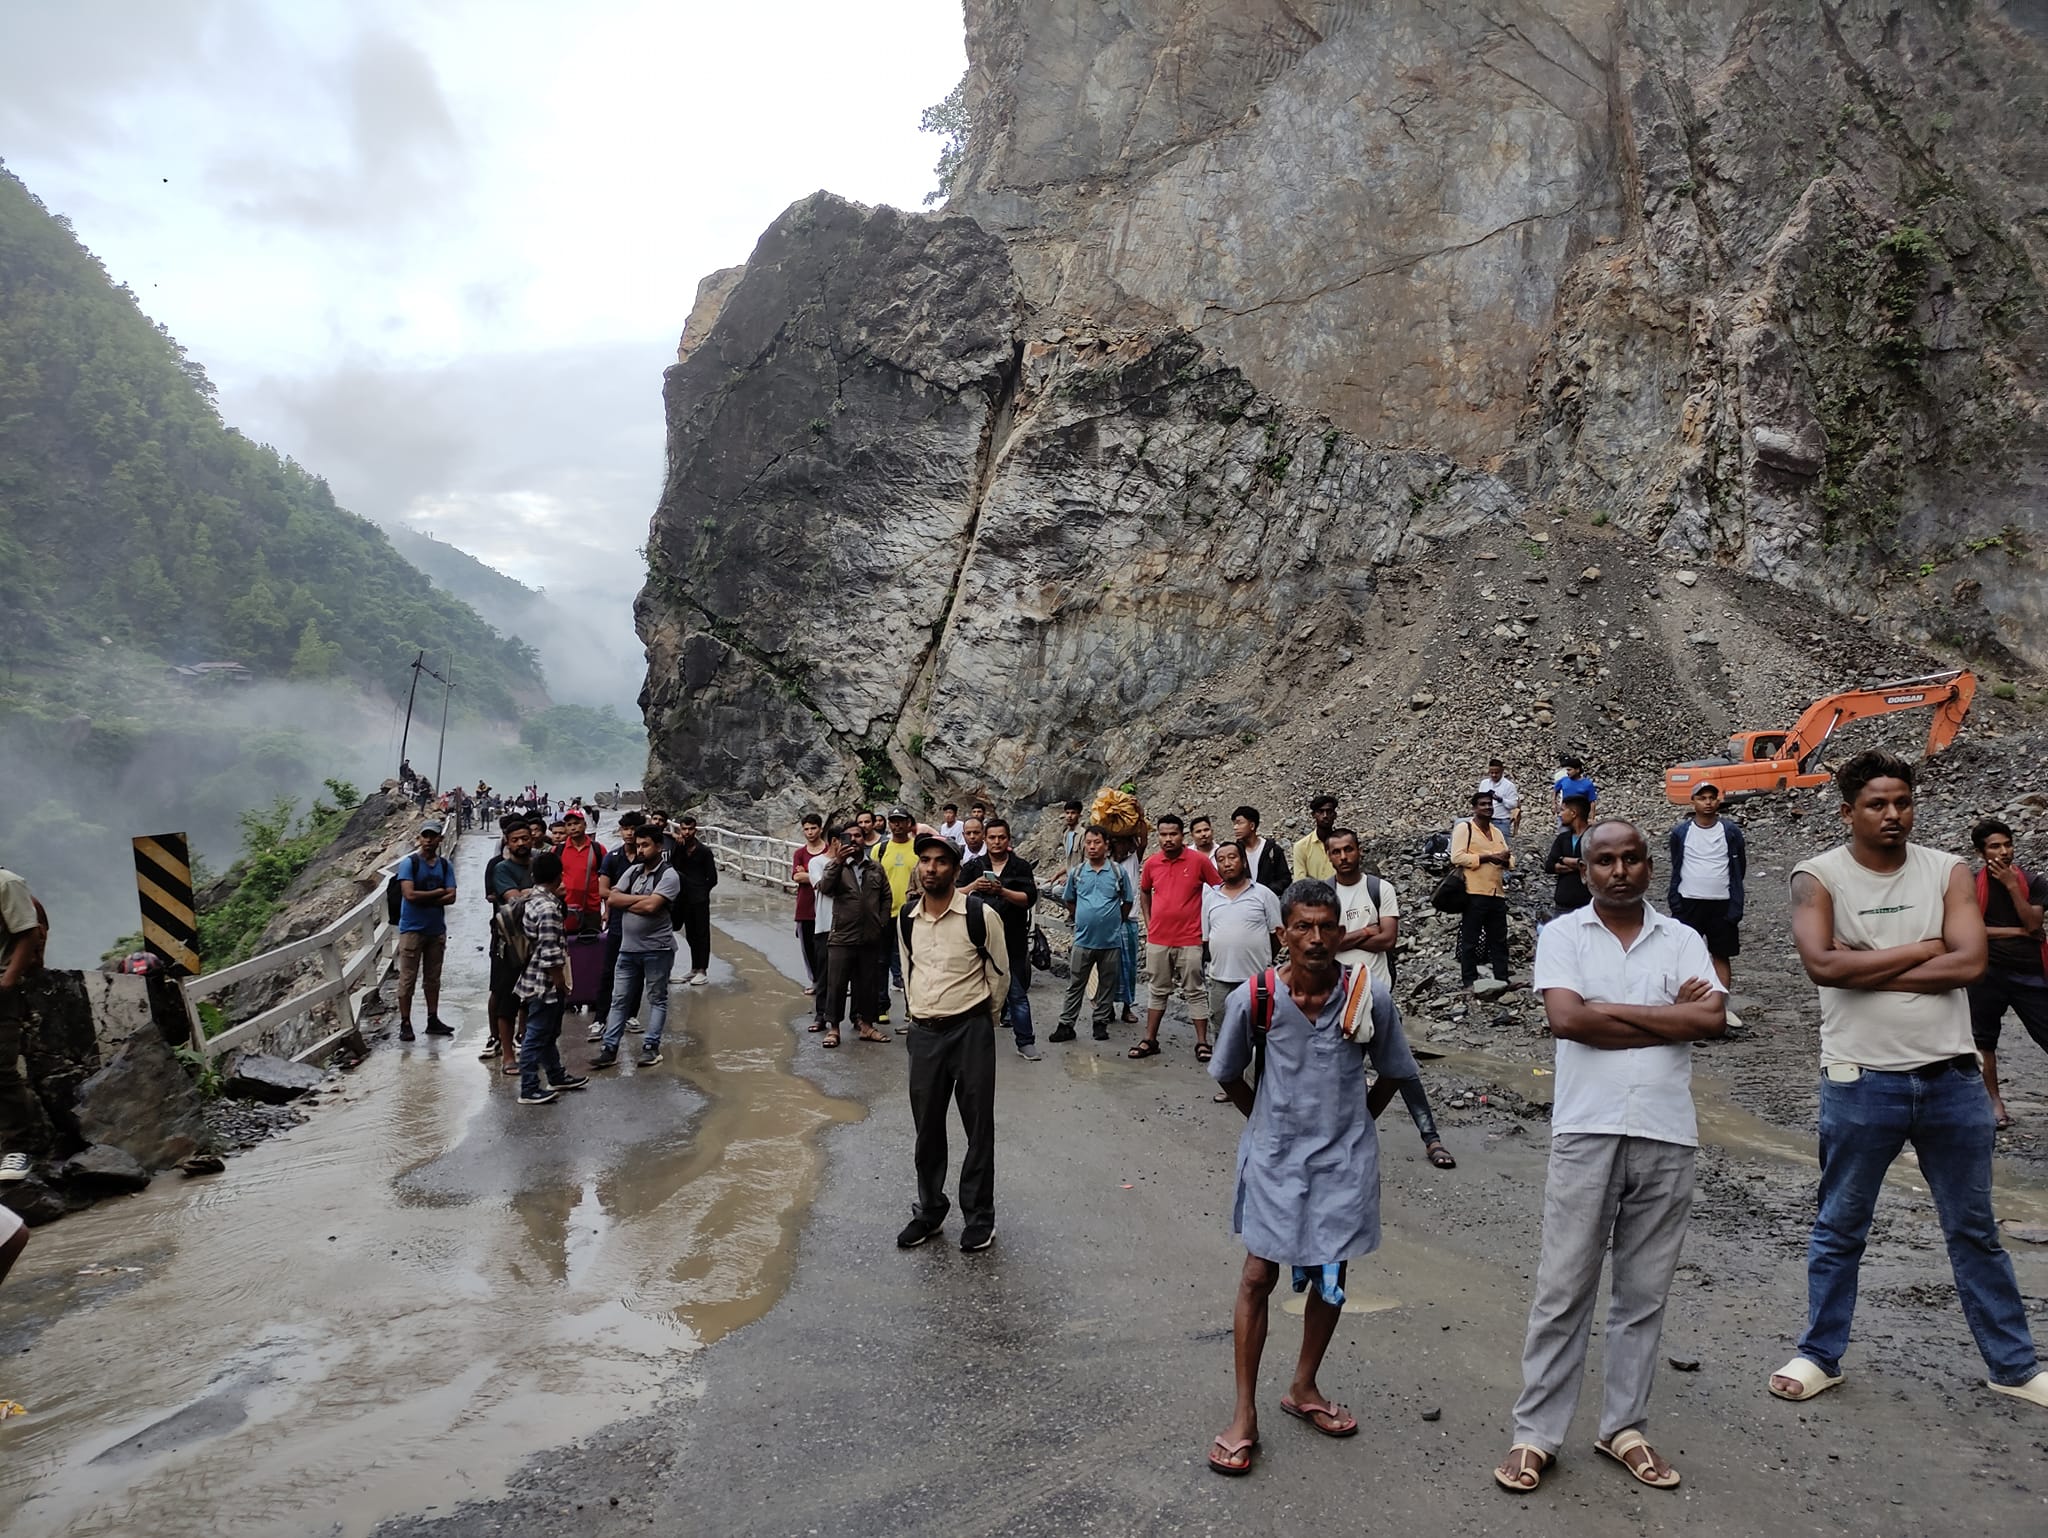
(1627, 991)
(1240, 926)
(1370, 911)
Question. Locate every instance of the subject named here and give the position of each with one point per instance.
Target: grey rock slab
(259, 1076)
(102, 1170)
(144, 1103)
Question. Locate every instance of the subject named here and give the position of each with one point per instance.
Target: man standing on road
(1891, 933)
(642, 905)
(1005, 881)
(609, 873)
(510, 879)
(1240, 927)
(1565, 862)
(953, 979)
(858, 890)
(426, 884)
(1266, 860)
(1709, 863)
(1170, 898)
(1072, 836)
(1371, 911)
(1311, 856)
(544, 986)
(1507, 800)
(1098, 900)
(1627, 991)
(1308, 1176)
(898, 859)
(807, 901)
(1478, 849)
(2013, 904)
(697, 873)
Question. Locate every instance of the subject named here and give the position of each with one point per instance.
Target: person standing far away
(1311, 857)
(2012, 903)
(807, 899)
(861, 910)
(1202, 835)
(508, 880)
(1627, 991)
(1507, 800)
(614, 867)
(1478, 849)
(816, 867)
(1128, 853)
(1072, 836)
(1709, 863)
(1240, 929)
(1308, 1175)
(1170, 897)
(1371, 911)
(1891, 933)
(1267, 861)
(544, 987)
(951, 829)
(1571, 779)
(643, 905)
(426, 883)
(898, 859)
(1564, 861)
(1097, 897)
(979, 811)
(954, 983)
(1005, 881)
(868, 829)
(697, 873)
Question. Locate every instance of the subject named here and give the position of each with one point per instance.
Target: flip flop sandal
(1144, 1049)
(1644, 1472)
(1347, 1426)
(1534, 1461)
(1203, 1052)
(831, 1039)
(1220, 1098)
(1232, 1451)
(814, 1028)
(1811, 1380)
(1440, 1156)
(874, 1036)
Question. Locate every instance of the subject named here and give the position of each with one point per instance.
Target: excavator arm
(1796, 762)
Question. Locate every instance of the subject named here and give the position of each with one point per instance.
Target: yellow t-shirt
(900, 861)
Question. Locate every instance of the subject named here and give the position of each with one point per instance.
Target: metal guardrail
(347, 977)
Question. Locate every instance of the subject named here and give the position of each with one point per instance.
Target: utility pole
(406, 736)
(441, 751)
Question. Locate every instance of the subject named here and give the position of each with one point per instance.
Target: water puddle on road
(388, 1309)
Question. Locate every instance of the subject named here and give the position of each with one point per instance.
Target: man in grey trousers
(1627, 992)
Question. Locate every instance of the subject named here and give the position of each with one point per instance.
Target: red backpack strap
(1262, 1001)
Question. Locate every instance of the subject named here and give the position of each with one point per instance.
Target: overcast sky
(440, 253)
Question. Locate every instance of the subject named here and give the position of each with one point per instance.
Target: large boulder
(99, 1170)
(144, 1103)
(273, 1080)
(48, 1049)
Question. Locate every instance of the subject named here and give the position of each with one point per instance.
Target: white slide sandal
(1811, 1380)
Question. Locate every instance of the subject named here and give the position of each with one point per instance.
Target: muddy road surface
(649, 1319)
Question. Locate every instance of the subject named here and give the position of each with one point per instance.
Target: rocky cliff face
(1237, 307)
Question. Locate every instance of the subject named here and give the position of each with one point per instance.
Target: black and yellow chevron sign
(163, 881)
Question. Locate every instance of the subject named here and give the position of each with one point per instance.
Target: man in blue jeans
(1891, 932)
(1004, 880)
(647, 947)
(543, 987)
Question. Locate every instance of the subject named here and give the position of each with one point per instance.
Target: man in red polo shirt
(584, 888)
(1170, 896)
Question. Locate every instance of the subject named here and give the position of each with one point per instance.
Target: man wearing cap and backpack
(426, 887)
(954, 982)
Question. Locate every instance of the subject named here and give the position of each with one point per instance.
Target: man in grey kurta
(1308, 1187)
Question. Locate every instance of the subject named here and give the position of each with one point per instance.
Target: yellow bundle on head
(1120, 812)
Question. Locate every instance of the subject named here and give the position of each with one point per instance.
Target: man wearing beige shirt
(1480, 850)
(954, 980)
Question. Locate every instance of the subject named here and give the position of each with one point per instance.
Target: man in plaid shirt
(544, 986)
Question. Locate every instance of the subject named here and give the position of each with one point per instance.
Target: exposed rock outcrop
(1052, 482)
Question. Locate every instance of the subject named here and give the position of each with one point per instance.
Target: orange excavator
(1759, 763)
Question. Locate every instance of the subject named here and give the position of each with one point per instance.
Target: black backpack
(977, 932)
(394, 889)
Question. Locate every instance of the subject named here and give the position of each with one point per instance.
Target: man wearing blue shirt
(1571, 779)
(427, 885)
(1097, 896)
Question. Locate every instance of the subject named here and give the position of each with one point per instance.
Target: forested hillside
(129, 510)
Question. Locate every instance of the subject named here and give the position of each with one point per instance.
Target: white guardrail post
(351, 955)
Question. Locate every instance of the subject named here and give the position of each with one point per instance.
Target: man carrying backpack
(507, 881)
(954, 981)
(426, 884)
(1308, 1176)
(647, 948)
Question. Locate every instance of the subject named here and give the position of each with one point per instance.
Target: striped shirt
(542, 920)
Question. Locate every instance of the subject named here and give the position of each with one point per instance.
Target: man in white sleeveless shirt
(1891, 933)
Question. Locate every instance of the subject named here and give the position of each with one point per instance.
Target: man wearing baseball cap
(426, 885)
(954, 982)
(897, 856)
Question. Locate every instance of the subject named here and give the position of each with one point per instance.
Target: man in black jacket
(698, 872)
(1564, 860)
(862, 914)
(1004, 880)
(1264, 858)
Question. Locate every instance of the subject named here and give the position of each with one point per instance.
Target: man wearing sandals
(1308, 1177)
(1627, 991)
(1892, 933)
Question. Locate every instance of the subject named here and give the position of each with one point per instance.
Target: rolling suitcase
(586, 969)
